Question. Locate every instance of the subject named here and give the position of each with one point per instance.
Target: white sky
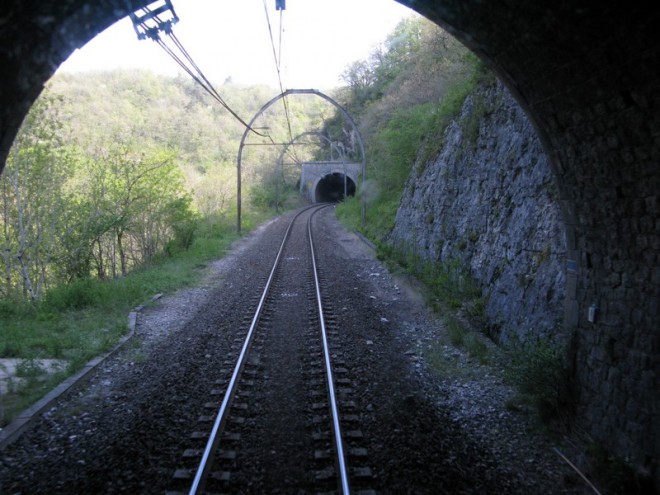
(229, 38)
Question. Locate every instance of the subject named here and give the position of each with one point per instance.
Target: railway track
(281, 416)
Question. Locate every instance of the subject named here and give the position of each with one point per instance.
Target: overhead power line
(279, 5)
(160, 17)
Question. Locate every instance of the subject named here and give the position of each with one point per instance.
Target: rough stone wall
(489, 200)
(588, 76)
(617, 250)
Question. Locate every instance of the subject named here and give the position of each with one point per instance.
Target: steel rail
(214, 438)
(341, 460)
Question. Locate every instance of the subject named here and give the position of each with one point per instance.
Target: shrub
(537, 370)
(11, 350)
(455, 331)
(184, 237)
(452, 284)
(77, 294)
(29, 368)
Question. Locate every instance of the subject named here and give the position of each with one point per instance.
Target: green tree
(97, 181)
(33, 200)
(403, 96)
(133, 201)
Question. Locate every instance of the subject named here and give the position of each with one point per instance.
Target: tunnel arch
(271, 102)
(330, 187)
(588, 77)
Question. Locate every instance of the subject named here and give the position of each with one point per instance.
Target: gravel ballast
(125, 429)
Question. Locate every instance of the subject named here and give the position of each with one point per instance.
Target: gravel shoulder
(429, 432)
(456, 422)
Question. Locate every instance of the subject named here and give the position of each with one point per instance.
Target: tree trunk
(27, 283)
(21, 210)
(100, 269)
(122, 254)
(7, 237)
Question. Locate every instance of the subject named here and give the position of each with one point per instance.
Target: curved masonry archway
(330, 187)
(313, 92)
(589, 79)
(314, 173)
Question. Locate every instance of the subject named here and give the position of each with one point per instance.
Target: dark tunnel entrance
(333, 188)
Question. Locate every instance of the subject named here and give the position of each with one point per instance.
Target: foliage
(158, 114)
(113, 169)
(394, 146)
(104, 213)
(415, 65)
(461, 336)
(32, 197)
(404, 96)
(537, 370)
(449, 284)
(79, 320)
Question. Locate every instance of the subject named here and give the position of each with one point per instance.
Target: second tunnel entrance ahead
(333, 187)
(324, 181)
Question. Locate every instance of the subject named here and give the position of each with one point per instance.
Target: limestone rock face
(489, 200)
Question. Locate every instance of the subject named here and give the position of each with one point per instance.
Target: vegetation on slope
(404, 96)
(112, 169)
(120, 186)
(77, 321)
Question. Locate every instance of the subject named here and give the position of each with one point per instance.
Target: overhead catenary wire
(279, 54)
(188, 65)
(278, 68)
(285, 101)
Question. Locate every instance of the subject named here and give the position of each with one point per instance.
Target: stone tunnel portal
(587, 75)
(333, 188)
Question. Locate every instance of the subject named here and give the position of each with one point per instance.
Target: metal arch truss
(286, 93)
(300, 136)
(147, 21)
(294, 141)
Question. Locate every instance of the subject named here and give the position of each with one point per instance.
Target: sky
(230, 38)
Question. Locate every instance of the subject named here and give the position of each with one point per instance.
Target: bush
(11, 309)
(450, 283)
(184, 237)
(11, 350)
(77, 294)
(537, 370)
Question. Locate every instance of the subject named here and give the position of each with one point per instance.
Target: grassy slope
(83, 319)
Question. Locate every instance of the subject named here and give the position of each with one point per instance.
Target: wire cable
(193, 70)
(279, 55)
(277, 67)
(188, 64)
